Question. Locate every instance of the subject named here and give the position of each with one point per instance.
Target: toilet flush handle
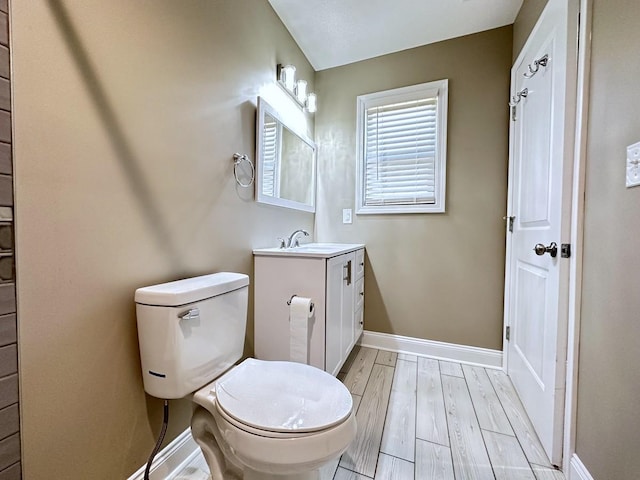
(191, 314)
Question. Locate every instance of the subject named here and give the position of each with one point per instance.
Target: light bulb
(312, 103)
(301, 91)
(288, 77)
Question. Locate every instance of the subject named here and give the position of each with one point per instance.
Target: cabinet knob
(362, 293)
(362, 264)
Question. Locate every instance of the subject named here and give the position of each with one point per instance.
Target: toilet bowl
(277, 419)
(258, 420)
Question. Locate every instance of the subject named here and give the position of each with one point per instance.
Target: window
(270, 180)
(402, 149)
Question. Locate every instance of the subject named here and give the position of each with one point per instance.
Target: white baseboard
(429, 348)
(577, 470)
(171, 459)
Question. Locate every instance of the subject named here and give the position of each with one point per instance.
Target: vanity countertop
(317, 250)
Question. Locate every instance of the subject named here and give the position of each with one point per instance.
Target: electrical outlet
(346, 215)
(633, 165)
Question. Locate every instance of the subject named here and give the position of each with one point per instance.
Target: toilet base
(251, 475)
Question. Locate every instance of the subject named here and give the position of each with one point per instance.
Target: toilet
(258, 420)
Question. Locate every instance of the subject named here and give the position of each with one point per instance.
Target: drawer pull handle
(347, 267)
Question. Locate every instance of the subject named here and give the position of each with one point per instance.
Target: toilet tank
(190, 331)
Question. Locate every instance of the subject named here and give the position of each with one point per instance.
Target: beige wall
(524, 23)
(608, 433)
(431, 276)
(126, 118)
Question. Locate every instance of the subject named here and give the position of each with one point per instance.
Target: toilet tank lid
(189, 290)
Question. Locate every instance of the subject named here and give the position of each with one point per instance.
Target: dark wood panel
(12, 473)
(8, 360)
(9, 451)
(7, 272)
(7, 299)
(10, 468)
(5, 127)
(5, 94)
(6, 191)
(9, 421)
(4, 29)
(8, 391)
(6, 165)
(5, 71)
(8, 329)
(6, 237)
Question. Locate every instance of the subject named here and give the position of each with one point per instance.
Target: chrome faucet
(293, 241)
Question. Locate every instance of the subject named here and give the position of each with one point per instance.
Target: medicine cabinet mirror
(286, 174)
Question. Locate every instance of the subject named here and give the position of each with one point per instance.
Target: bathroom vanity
(332, 275)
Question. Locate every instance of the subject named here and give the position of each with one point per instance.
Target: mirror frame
(263, 109)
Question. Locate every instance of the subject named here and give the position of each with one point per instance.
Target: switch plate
(347, 216)
(633, 165)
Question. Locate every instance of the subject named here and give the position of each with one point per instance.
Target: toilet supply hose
(154, 452)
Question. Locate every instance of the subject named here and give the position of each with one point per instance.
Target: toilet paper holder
(311, 306)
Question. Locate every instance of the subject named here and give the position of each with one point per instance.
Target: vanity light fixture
(297, 89)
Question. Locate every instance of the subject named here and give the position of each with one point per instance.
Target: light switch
(633, 165)
(346, 215)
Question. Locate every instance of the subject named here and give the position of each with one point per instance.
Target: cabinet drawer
(359, 293)
(360, 263)
(359, 324)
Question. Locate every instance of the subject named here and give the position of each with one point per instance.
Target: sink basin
(322, 250)
(320, 247)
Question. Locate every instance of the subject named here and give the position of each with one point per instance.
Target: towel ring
(237, 160)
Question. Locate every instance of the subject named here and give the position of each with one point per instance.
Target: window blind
(270, 161)
(400, 153)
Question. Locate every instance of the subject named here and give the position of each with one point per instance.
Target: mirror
(286, 157)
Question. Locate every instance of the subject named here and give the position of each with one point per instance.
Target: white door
(541, 154)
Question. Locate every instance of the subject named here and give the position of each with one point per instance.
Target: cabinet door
(359, 323)
(333, 313)
(339, 311)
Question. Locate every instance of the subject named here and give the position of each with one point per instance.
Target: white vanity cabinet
(332, 275)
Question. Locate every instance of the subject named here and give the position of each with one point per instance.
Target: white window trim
(438, 89)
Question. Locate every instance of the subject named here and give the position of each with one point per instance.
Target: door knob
(552, 249)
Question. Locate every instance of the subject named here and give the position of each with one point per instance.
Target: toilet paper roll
(300, 313)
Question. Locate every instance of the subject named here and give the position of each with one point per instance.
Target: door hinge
(565, 250)
(510, 221)
(508, 333)
(513, 113)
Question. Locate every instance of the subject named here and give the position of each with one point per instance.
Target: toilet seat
(281, 399)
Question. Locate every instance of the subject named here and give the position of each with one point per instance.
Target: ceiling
(337, 32)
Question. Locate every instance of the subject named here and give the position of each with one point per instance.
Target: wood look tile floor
(424, 419)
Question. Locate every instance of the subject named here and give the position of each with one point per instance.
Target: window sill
(399, 209)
